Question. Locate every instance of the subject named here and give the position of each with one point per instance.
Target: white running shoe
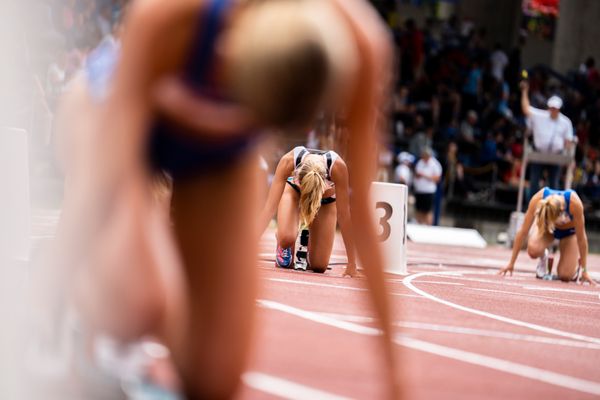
(542, 267)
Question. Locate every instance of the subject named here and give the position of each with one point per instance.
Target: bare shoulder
(159, 16)
(535, 200)
(339, 169)
(576, 205)
(286, 162)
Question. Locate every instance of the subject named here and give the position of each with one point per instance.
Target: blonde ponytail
(547, 212)
(312, 186)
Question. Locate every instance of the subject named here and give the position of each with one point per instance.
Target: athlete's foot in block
(284, 257)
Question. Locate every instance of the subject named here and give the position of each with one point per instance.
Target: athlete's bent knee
(535, 251)
(565, 277)
(318, 268)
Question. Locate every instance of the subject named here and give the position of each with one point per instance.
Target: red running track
(462, 331)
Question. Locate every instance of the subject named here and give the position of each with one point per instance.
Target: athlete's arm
(582, 242)
(177, 102)
(525, 98)
(373, 78)
(522, 233)
(285, 168)
(339, 176)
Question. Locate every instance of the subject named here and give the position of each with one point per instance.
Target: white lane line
(542, 375)
(321, 319)
(416, 296)
(498, 364)
(502, 282)
(499, 335)
(443, 283)
(555, 300)
(316, 284)
(408, 283)
(551, 289)
(469, 331)
(336, 286)
(286, 389)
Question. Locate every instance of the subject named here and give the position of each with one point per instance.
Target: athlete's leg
(132, 272)
(321, 237)
(113, 252)
(288, 217)
(569, 256)
(216, 232)
(538, 243)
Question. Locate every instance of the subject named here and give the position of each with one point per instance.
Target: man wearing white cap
(552, 133)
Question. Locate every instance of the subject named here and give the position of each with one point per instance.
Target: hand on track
(509, 268)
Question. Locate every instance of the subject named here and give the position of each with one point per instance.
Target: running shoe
(284, 257)
(542, 267)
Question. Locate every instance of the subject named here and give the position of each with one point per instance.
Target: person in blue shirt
(557, 214)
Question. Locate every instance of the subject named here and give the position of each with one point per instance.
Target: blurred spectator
(499, 61)
(403, 172)
(590, 72)
(468, 128)
(421, 139)
(428, 172)
(472, 87)
(552, 133)
(512, 72)
(591, 189)
(412, 50)
(386, 159)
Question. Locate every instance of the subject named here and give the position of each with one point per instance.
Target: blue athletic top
(565, 193)
(173, 148)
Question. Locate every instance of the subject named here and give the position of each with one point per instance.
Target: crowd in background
(454, 93)
(461, 96)
(73, 28)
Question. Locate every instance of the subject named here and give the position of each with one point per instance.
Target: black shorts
(424, 202)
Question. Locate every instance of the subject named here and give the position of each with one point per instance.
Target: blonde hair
(311, 174)
(547, 212)
(284, 60)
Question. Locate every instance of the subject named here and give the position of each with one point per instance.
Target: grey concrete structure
(577, 34)
(500, 18)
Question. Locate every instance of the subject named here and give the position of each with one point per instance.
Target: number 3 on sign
(383, 221)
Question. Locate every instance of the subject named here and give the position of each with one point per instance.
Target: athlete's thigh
(214, 217)
(569, 256)
(538, 242)
(321, 237)
(288, 216)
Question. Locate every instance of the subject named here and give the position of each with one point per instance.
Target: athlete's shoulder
(287, 161)
(575, 199)
(159, 15)
(537, 197)
(339, 169)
